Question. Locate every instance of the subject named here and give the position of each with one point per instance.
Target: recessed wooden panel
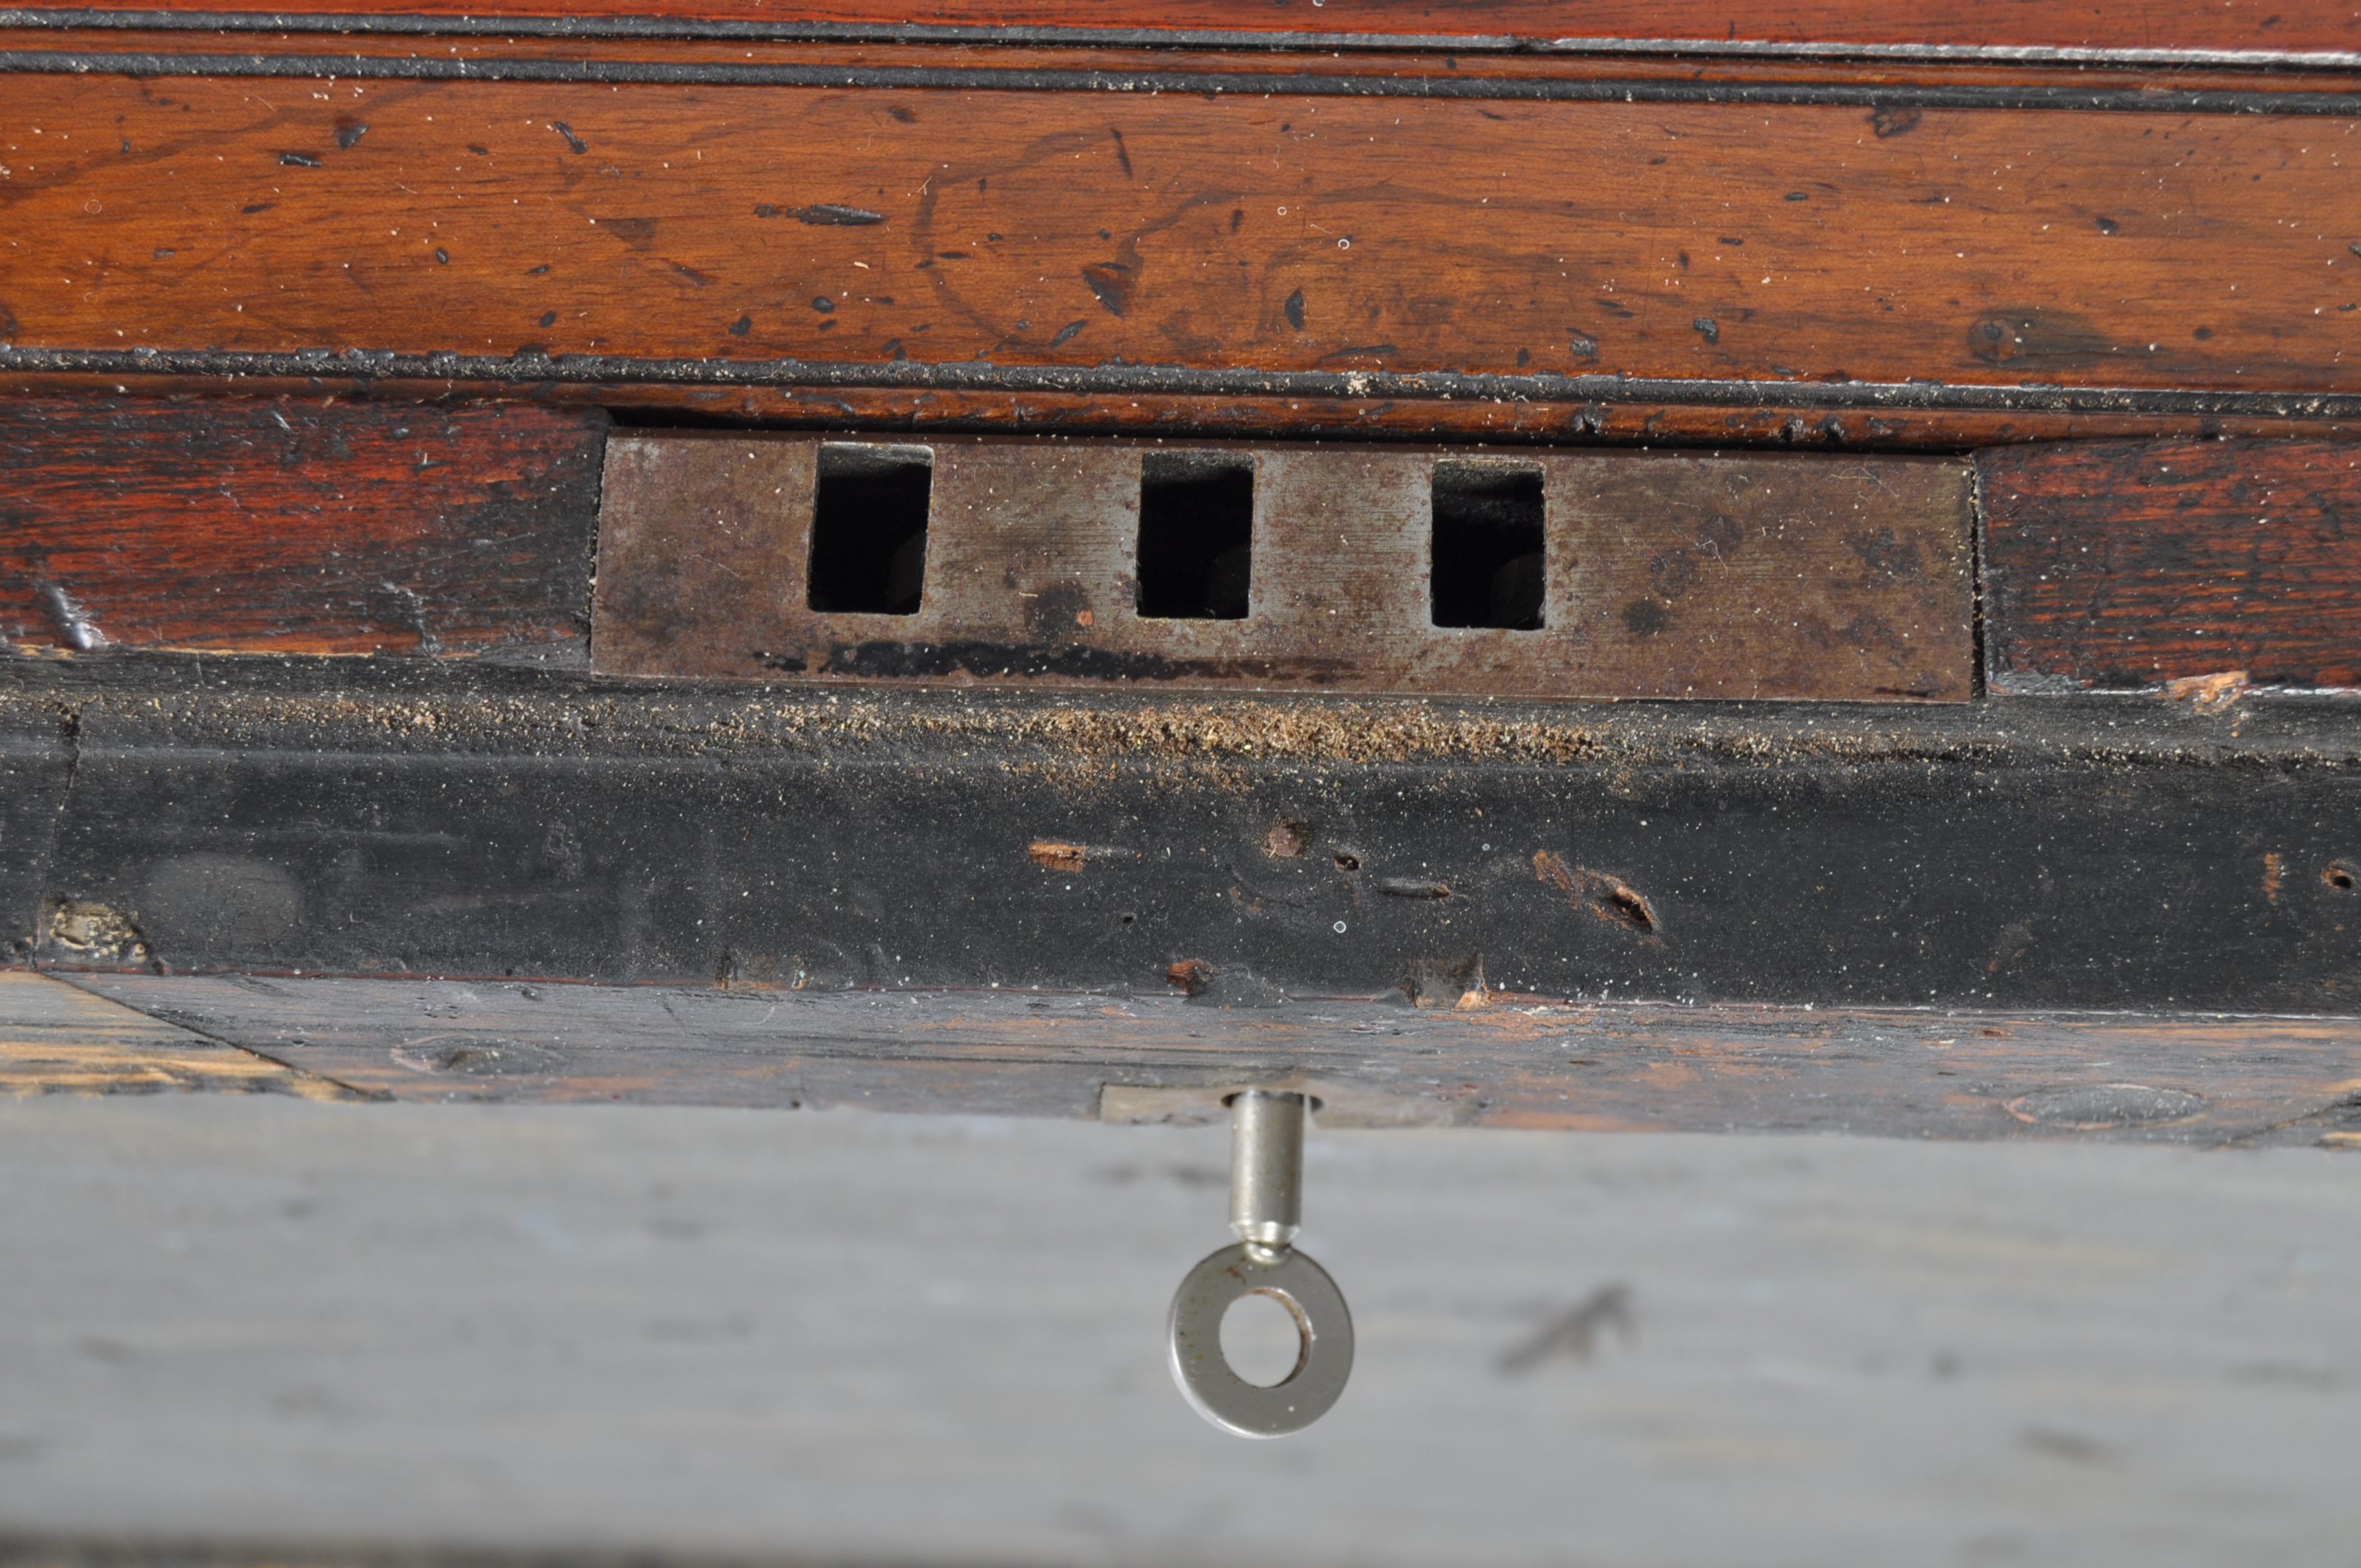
(294, 527)
(2119, 565)
(2171, 25)
(1748, 575)
(1127, 242)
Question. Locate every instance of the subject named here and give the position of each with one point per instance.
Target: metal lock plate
(1502, 572)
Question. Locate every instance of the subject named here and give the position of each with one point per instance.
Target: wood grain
(2158, 26)
(1515, 1062)
(2120, 564)
(1062, 242)
(56, 1039)
(294, 526)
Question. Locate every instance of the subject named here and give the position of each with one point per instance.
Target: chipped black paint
(473, 820)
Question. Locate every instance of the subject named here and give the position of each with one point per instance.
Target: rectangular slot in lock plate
(1211, 567)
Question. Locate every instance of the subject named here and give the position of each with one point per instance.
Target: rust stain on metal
(1745, 576)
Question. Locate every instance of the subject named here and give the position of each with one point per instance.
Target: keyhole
(1262, 1339)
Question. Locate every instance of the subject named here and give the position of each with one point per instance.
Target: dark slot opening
(869, 529)
(1196, 535)
(1488, 545)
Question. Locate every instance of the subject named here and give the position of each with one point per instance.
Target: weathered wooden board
(1133, 243)
(1836, 578)
(1513, 1062)
(2161, 27)
(55, 1039)
(444, 816)
(301, 526)
(2117, 564)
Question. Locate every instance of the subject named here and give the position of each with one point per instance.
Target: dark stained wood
(1740, 576)
(1508, 1062)
(1029, 232)
(1448, 69)
(2116, 565)
(294, 526)
(1639, 423)
(2156, 26)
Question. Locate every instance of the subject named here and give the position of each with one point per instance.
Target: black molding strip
(533, 367)
(600, 72)
(647, 27)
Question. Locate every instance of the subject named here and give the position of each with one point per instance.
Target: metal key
(1266, 1211)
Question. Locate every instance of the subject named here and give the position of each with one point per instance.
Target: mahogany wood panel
(1512, 1062)
(1741, 576)
(294, 527)
(2132, 565)
(2142, 26)
(1130, 245)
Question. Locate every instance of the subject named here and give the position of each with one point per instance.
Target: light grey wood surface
(840, 1336)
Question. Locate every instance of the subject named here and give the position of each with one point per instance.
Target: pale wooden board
(809, 1338)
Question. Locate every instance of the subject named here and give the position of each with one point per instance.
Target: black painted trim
(788, 31)
(534, 367)
(603, 73)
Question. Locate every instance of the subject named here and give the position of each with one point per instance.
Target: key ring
(1266, 1206)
